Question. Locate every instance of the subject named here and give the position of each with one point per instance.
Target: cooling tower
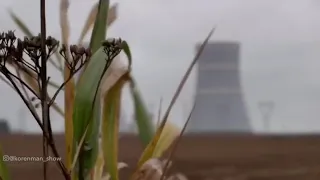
(219, 102)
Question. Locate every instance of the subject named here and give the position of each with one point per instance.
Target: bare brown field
(200, 157)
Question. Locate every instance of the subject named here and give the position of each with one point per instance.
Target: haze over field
(280, 57)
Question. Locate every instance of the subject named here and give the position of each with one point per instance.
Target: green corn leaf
(143, 120)
(87, 94)
(86, 112)
(110, 127)
(142, 117)
(99, 31)
(4, 173)
(112, 16)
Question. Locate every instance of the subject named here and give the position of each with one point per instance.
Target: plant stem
(43, 91)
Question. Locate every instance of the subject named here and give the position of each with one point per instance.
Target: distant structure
(4, 127)
(219, 104)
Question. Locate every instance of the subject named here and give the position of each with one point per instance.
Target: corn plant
(92, 104)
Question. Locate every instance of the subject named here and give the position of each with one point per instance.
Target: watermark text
(30, 158)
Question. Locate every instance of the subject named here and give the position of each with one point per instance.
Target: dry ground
(201, 157)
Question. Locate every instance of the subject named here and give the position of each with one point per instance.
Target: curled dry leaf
(164, 163)
(121, 165)
(150, 170)
(115, 71)
(177, 176)
(153, 170)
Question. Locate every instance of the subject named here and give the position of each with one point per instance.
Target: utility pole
(266, 109)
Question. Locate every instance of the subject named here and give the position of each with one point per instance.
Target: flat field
(200, 157)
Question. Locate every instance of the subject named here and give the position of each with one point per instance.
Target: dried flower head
(112, 47)
(52, 45)
(79, 57)
(13, 49)
(7, 47)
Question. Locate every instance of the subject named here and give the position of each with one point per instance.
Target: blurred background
(259, 74)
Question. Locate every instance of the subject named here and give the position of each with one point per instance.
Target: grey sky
(280, 51)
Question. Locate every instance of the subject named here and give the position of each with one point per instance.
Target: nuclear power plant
(219, 103)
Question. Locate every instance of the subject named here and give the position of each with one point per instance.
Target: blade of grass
(4, 172)
(110, 127)
(159, 113)
(69, 86)
(112, 16)
(20, 24)
(169, 134)
(175, 145)
(148, 151)
(99, 31)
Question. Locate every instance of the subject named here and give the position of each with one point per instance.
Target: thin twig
(58, 67)
(43, 90)
(37, 118)
(63, 84)
(24, 88)
(184, 79)
(23, 83)
(59, 89)
(50, 130)
(159, 113)
(27, 103)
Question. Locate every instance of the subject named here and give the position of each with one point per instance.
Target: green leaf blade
(99, 31)
(24, 28)
(86, 112)
(142, 117)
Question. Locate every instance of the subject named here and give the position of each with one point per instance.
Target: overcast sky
(280, 52)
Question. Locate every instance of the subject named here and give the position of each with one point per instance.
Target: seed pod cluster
(7, 47)
(12, 50)
(79, 57)
(112, 47)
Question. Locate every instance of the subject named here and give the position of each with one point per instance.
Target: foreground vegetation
(92, 104)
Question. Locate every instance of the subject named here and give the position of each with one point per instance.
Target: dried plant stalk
(70, 86)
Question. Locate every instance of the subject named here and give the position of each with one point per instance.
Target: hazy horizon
(280, 43)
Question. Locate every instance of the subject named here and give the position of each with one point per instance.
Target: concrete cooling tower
(219, 103)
